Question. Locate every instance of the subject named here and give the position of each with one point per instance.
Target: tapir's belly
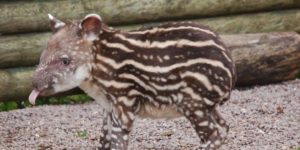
(148, 110)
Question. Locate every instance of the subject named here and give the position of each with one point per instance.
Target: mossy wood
(29, 16)
(24, 49)
(259, 58)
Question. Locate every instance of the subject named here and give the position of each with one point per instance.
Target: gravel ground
(260, 118)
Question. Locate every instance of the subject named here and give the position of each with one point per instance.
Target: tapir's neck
(108, 32)
(106, 46)
(99, 48)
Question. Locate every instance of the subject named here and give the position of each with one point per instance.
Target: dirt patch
(262, 117)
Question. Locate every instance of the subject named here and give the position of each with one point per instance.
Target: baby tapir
(166, 71)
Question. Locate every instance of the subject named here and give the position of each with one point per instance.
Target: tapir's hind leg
(206, 122)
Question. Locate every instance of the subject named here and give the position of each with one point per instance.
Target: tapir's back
(170, 59)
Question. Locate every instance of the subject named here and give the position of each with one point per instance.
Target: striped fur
(145, 59)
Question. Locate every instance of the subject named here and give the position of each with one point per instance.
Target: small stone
(280, 110)
(167, 133)
(243, 110)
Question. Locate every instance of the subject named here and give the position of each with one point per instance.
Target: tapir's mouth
(35, 93)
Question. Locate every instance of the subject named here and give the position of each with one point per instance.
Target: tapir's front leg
(122, 117)
(122, 120)
(105, 137)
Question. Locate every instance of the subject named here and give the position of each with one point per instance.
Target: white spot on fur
(64, 56)
(159, 59)
(125, 137)
(151, 57)
(203, 124)
(106, 145)
(114, 136)
(199, 113)
(116, 129)
(172, 77)
(145, 57)
(166, 57)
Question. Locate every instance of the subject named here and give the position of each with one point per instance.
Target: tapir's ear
(91, 26)
(55, 24)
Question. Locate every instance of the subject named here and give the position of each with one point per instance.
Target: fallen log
(24, 50)
(275, 21)
(29, 16)
(260, 59)
(21, 50)
(265, 58)
(15, 83)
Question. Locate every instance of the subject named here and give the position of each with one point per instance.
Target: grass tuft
(82, 134)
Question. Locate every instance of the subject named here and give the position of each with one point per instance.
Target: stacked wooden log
(260, 58)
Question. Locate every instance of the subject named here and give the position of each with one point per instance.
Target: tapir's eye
(65, 61)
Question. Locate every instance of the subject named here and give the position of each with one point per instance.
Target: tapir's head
(66, 61)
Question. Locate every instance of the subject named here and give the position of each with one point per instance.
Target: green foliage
(63, 100)
(74, 99)
(298, 76)
(8, 106)
(82, 134)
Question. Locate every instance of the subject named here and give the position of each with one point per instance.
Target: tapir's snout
(42, 85)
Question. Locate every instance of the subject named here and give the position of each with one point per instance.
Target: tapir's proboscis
(166, 71)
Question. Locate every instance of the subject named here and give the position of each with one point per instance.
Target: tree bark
(265, 58)
(29, 16)
(25, 49)
(260, 59)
